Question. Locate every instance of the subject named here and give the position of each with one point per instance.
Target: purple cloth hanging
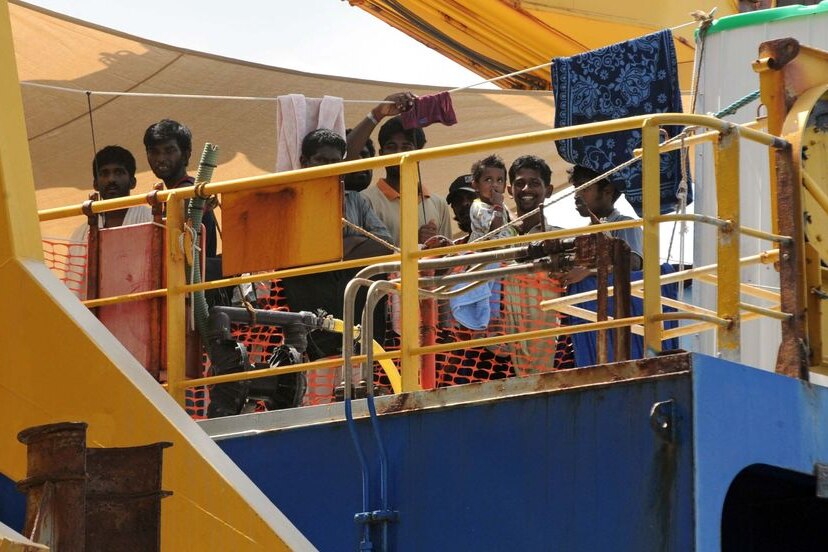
(434, 108)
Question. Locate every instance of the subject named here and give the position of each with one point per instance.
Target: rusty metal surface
(156, 306)
(792, 359)
(779, 52)
(788, 71)
(92, 257)
(754, 5)
(604, 375)
(123, 500)
(599, 375)
(622, 293)
(586, 250)
(603, 260)
(80, 499)
(55, 485)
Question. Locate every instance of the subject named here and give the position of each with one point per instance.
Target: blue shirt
(358, 211)
(633, 236)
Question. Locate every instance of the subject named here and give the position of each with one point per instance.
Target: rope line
(553, 200)
(368, 234)
(737, 105)
(167, 95)
(92, 128)
(536, 67)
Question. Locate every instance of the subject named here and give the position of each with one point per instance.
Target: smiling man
(530, 183)
(113, 176)
(169, 145)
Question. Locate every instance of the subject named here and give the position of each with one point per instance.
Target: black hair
(167, 129)
(394, 126)
(320, 138)
(491, 162)
(532, 162)
(114, 155)
(579, 175)
(369, 144)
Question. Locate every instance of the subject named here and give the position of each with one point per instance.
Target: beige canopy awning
(497, 37)
(55, 50)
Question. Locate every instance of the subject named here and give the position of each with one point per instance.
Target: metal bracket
(662, 416)
(377, 516)
(821, 474)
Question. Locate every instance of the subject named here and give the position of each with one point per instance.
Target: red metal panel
(128, 262)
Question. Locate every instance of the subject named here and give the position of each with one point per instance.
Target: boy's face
(491, 185)
(325, 155)
(167, 161)
(529, 190)
(113, 180)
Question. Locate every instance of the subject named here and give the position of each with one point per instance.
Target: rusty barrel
(123, 498)
(55, 485)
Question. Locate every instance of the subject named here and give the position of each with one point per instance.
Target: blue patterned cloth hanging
(631, 78)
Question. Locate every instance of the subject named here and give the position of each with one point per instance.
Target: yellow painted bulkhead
(58, 363)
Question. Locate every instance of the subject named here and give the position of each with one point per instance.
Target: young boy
(487, 212)
(597, 202)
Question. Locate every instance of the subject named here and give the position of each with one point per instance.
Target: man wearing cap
(460, 197)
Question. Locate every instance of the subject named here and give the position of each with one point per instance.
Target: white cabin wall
(726, 75)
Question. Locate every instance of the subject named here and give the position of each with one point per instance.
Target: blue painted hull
(577, 468)
(562, 461)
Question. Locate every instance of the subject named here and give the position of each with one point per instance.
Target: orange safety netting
(260, 342)
(67, 260)
(516, 310)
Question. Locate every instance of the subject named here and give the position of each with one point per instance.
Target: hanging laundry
(631, 78)
(434, 108)
(297, 116)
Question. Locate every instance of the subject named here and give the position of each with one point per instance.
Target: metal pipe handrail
(275, 371)
(525, 336)
(709, 320)
(702, 137)
(374, 163)
(409, 354)
(765, 257)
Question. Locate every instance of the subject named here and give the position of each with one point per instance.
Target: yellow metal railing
(725, 137)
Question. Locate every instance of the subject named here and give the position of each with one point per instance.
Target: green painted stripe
(765, 16)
